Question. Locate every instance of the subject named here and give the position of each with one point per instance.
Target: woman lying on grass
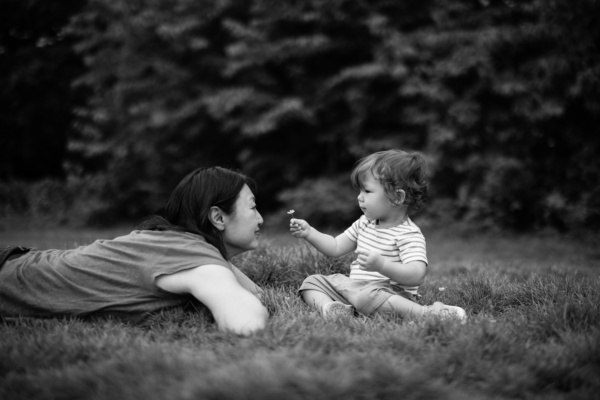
(182, 251)
(392, 261)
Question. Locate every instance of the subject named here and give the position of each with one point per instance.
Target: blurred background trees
(111, 102)
(37, 66)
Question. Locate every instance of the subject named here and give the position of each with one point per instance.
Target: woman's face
(242, 226)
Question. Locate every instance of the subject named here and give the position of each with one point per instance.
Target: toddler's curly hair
(396, 169)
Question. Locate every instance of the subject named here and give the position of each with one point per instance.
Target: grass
(533, 332)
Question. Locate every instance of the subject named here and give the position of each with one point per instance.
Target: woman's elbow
(247, 321)
(258, 321)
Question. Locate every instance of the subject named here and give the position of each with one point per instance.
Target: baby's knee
(311, 280)
(365, 301)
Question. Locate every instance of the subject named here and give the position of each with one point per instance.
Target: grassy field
(533, 333)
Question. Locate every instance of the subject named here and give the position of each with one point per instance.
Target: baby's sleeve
(352, 231)
(411, 247)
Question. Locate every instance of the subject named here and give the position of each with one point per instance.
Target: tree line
(118, 99)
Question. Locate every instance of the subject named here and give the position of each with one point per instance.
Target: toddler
(391, 259)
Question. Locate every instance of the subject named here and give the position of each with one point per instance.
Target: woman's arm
(247, 283)
(234, 308)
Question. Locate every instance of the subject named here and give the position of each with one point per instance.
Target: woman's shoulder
(173, 241)
(162, 235)
(177, 251)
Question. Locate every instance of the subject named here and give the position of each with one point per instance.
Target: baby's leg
(402, 306)
(409, 309)
(326, 305)
(315, 299)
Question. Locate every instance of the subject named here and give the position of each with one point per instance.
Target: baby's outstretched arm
(326, 244)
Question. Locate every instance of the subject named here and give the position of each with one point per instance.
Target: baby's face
(373, 201)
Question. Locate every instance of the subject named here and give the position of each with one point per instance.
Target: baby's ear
(400, 196)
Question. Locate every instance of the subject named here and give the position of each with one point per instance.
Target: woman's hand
(299, 228)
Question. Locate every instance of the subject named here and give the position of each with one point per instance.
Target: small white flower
(291, 212)
(441, 289)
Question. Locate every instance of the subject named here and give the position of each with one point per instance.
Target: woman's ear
(216, 218)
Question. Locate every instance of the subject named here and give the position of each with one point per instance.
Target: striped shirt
(402, 243)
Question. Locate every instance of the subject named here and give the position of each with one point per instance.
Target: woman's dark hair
(188, 207)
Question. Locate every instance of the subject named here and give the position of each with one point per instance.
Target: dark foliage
(37, 67)
(502, 96)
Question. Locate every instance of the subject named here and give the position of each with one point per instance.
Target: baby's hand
(369, 260)
(299, 228)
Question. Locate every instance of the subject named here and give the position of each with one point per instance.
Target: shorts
(366, 296)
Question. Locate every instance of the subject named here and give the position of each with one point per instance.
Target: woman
(182, 251)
